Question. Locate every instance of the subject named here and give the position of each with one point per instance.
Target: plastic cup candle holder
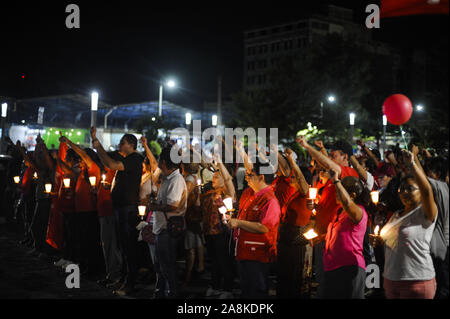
(48, 188)
(66, 182)
(17, 179)
(374, 196)
(310, 234)
(92, 180)
(228, 202)
(312, 193)
(376, 231)
(142, 209)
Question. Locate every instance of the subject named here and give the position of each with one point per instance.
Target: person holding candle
(216, 234)
(343, 258)
(125, 199)
(255, 231)
(291, 244)
(407, 238)
(326, 207)
(171, 201)
(86, 187)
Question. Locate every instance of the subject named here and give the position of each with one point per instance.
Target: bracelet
(338, 181)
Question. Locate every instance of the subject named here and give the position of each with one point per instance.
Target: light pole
(170, 84)
(188, 119)
(4, 112)
(352, 125)
(94, 108)
(214, 120)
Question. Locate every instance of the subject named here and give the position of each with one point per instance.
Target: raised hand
(319, 144)
(288, 152)
(63, 139)
(143, 140)
(408, 157)
(93, 133)
(334, 175)
(414, 149)
(302, 141)
(360, 143)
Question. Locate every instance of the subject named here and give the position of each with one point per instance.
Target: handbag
(147, 234)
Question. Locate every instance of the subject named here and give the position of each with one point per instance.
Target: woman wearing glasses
(408, 268)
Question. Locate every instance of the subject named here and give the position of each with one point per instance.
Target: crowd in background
(245, 219)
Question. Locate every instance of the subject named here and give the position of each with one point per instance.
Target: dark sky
(124, 48)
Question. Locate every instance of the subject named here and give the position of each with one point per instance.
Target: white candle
(48, 188)
(228, 202)
(375, 196)
(66, 182)
(35, 175)
(377, 230)
(92, 180)
(16, 179)
(310, 234)
(142, 210)
(312, 193)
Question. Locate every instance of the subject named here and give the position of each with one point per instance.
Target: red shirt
(295, 211)
(327, 205)
(104, 202)
(283, 190)
(85, 201)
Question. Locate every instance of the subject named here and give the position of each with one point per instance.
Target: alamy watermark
(264, 154)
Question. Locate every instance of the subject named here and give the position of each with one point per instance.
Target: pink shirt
(344, 242)
(270, 216)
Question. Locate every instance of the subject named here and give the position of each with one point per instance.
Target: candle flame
(310, 234)
(16, 179)
(103, 177)
(377, 230)
(374, 196)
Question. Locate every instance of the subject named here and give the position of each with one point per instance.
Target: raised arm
(283, 165)
(240, 148)
(361, 171)
(228, 180)
(322, 149)
(89, 162)
(149, 154)
(323, 160)
(28, 161)
(303, 186)
(368, 152)
(353, 211)
(43, 152)
(106, 160)
(426, 192)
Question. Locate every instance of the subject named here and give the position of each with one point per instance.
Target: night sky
(123, 49)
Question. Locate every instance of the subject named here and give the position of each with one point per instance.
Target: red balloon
(398, 109)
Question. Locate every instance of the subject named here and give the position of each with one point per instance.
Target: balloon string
(403, 137)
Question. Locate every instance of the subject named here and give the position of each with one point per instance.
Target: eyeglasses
(250, 175)
(407, 188)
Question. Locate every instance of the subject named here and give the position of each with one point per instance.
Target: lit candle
(199, 181)
(35, 175)
(377, 230)
(310, 234)
(48, 188)
(228, 202)
(375, 196)
(103, 177)
(223, 210)
(142, 210)
(312, 193)
(314, 212)
(16, 179)
(66, 182)
(92, 180)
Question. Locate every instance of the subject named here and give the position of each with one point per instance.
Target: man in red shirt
(338, 160)
(256, 228)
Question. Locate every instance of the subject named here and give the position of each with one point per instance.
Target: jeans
(254, 279)
(165, 265)
(126, 221)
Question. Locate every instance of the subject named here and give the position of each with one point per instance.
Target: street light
(94, 108)
(419, 108)
(170, 84)
(352, 125)
(188, 118)
(4, 113)
(214, 120)
(331, 98)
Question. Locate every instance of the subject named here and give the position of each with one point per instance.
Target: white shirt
(172, 188)
(407, 246)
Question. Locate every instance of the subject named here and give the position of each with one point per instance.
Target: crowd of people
(244, 219)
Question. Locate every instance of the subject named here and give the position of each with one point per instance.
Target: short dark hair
(344, 147)
(437, 165)
(131, 139)
(259, 165)
(165, 157)
(354, 185)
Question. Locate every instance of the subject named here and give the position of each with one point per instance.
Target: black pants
(254, 279)
(290, 261)
(70, 236)
(442, 280)
(40, 223)
(222, 266)
(90, 247)
(346, 282)
(126, 221)
(27, 215)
